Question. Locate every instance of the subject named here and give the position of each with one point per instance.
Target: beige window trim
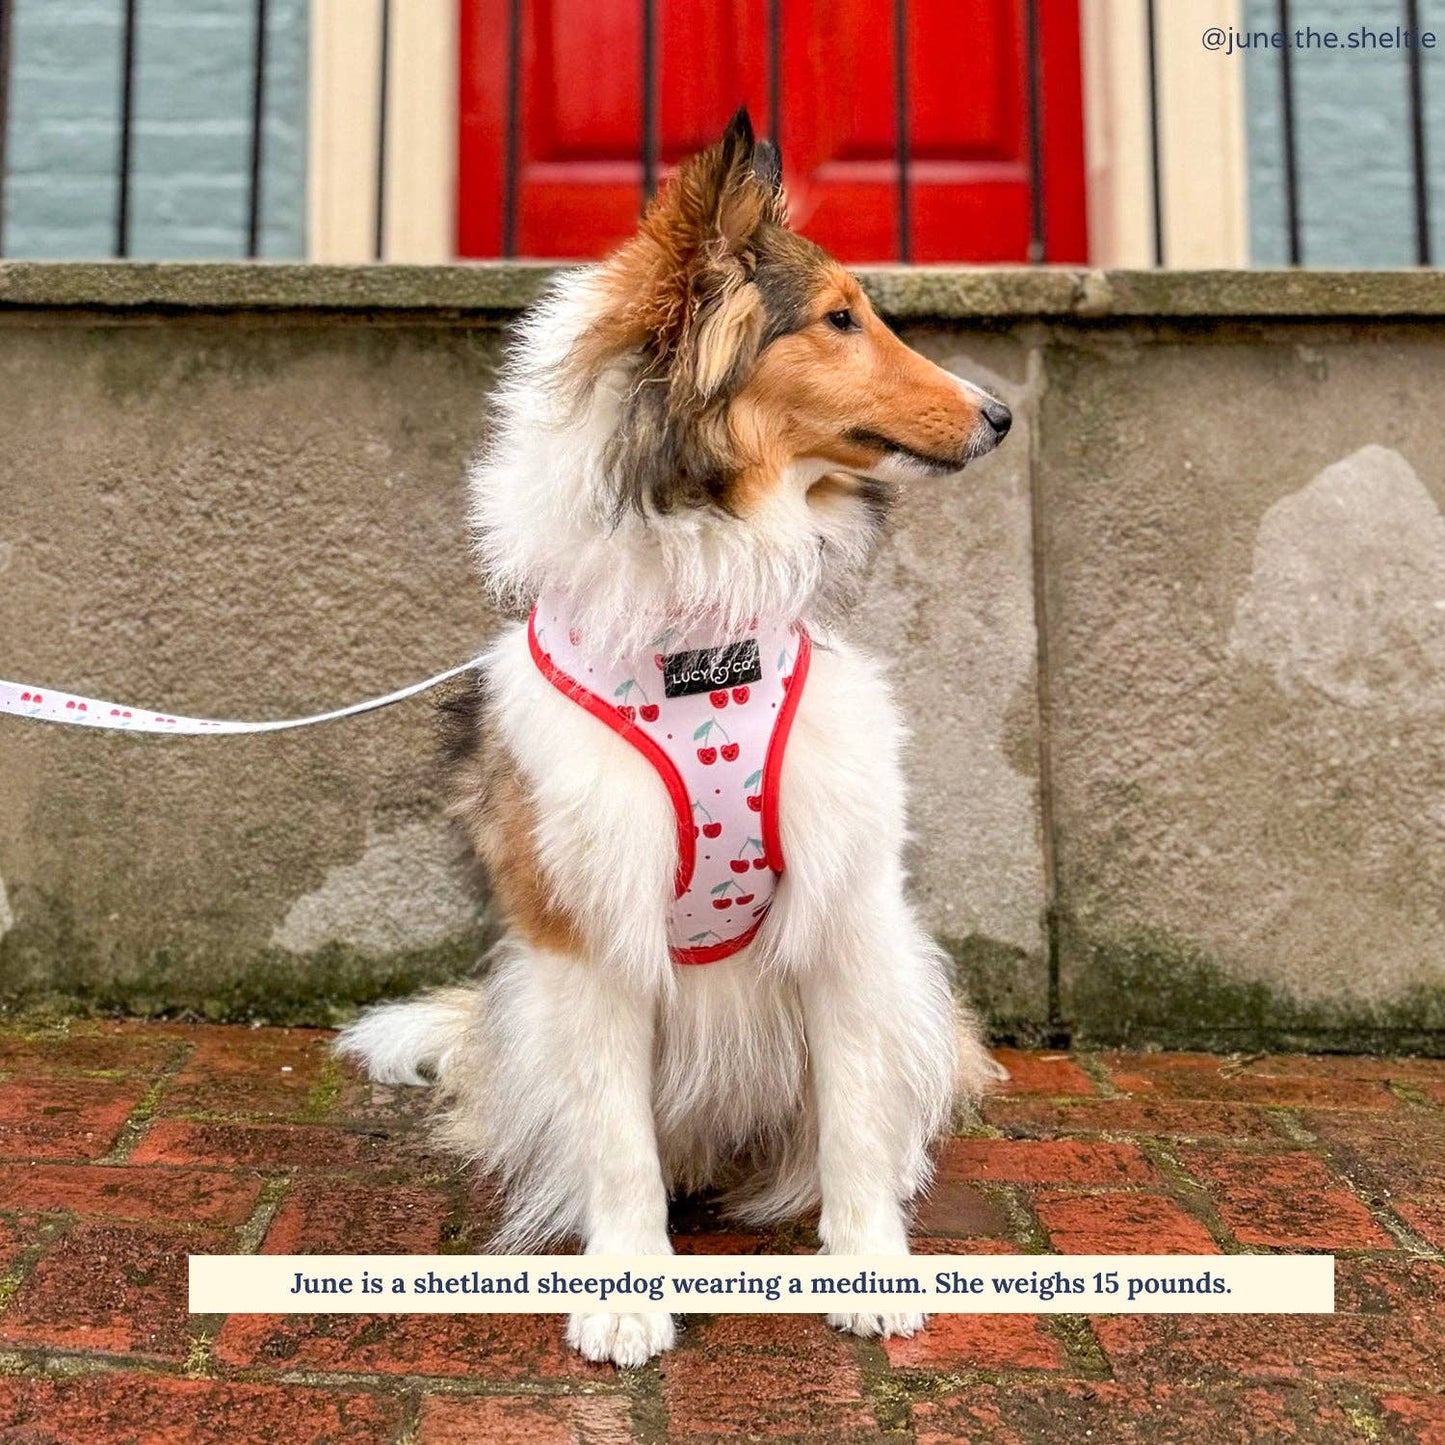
(1203, 161)
(421, 125)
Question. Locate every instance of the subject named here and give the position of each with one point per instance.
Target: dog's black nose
(999, 417)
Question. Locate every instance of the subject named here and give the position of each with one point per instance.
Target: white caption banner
(763, 1284)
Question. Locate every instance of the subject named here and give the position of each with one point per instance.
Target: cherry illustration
(625, 689)
(708, 755)
(741, 695)
(745, 898)
(739, 865)
(755, 801)
(657, 661)
(730, 752)
(760, 862)
(787, 682)
(712, 830)
(718, 699)
(722, 903)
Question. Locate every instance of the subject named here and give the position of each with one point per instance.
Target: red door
(579, 170)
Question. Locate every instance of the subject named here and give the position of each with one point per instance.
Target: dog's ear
(712, 208)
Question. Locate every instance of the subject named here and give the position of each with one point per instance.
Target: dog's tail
(412, 1042)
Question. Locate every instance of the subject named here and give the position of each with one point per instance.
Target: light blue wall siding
(1352, 130)
(191, 129)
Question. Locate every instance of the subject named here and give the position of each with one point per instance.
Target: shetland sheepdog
(684, 783)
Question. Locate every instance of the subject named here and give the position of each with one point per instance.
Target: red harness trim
(606, 713)
(666, 769)
(773, 762)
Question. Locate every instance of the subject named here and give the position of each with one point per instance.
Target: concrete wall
(1175, 656)
(191, 142)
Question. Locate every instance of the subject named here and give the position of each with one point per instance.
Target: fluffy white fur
(816, 1068)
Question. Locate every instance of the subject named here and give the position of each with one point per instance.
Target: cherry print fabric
(718, 751)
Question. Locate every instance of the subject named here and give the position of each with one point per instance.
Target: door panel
(579, 180)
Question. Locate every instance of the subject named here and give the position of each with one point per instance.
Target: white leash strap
(47, 705)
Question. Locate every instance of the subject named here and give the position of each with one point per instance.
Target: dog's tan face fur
(753, 357)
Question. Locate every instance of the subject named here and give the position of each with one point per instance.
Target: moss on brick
(1149, 987)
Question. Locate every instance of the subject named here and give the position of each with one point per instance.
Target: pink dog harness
(712, 717)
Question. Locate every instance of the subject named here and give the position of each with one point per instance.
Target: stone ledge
(909, 292)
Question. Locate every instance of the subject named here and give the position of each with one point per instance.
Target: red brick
(87, 1046)
(1387, 1331)
(1345, 1066)
(181, 1196)
(978, 1342)
(1426, 1217)
(140, 1409)
(951, 1207)
(250, 1073)
(1052, 1161)
(1203, 1076)
(482, 1347)
(1065, 1412)
(69, 1117)
(1416, 1417)
(1402, 1154)
(1120, 1224)
(926, 1244)
(267, 1146)
(777, 1377)
(1166, 1118)
(119, 1288)
(525, 1420)
(1287, 1200)
(340, 1216)
(1055, 1075)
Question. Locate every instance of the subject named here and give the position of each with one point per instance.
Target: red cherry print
(755, 802)
(712, 830)
(696, 831)
(71, 703)
(741, 695)
(707, 756)
(125, 714)
(743, 898)
(718, 699)
(722, 903)
(649, 712)
(730, 752)
(24, 697)
(760, 862)
(115, 712)
(38, 698)
(787, 682)
(657, 661)
(739, 865)
(81, 708)
(630, 713)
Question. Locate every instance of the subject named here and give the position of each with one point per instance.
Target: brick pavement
(124, 1146)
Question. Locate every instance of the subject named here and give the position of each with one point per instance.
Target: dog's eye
(841, 320)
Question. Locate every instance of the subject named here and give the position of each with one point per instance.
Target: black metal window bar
(511, 45)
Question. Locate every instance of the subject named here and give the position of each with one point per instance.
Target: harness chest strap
(712, 716)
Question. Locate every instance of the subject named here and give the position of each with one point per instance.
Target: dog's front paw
(879, 1326)
(623, 1339)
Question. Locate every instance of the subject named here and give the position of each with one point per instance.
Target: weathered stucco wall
(1204, 801)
